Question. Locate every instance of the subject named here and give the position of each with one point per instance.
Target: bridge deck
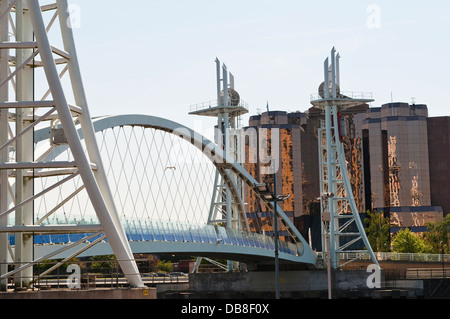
(165, 237)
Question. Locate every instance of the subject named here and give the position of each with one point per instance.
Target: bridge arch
(217, 156)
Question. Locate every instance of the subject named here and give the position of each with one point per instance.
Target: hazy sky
(157, 57)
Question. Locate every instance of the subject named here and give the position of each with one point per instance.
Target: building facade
(297, 170)
(439, 157)
(397, 159)
(397, 167)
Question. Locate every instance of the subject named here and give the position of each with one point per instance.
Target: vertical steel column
(226, 144)
(218, 81)
(331, 168)
(331, 173)
(24, 147)
(4, 67)
(332, 140)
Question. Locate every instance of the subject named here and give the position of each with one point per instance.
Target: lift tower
(26, 48)
(338, 208)
(227, 109)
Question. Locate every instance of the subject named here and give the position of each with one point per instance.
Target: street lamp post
(443, 256)
(264, 192)
(277, 260)
(326, 219)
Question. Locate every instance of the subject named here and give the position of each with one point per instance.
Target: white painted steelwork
(143, 227)
(33, 50)
(338, 207)
(228, 108)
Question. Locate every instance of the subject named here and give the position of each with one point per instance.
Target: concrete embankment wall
(148, 293)
(289, 281)
(301, 284)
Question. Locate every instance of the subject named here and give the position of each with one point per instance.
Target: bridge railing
(389, 256)
(93, 274)
(213, 104)
(167, 231)
(161, 231)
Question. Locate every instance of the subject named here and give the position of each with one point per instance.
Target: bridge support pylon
(341, 223)
(19, 167)
(228, 109)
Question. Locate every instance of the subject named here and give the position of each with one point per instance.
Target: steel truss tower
(31, 49)
(338, 208)
(228, 109)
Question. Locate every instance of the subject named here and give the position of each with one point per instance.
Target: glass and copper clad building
(397, 157)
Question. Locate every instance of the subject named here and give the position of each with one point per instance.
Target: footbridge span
(161, 174)
(71, 184)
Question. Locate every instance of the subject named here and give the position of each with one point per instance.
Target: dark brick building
(439, 157)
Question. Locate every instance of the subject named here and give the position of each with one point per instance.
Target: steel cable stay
(147, 180)
(169, 178)
(130, 192)
(143, 167)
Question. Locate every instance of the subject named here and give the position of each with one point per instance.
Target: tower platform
(344, 100)
(213, 109)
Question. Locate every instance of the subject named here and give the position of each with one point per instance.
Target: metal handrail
(169, 231)
(390, 256)
(108, 274)
(213, 104)
(354, 95)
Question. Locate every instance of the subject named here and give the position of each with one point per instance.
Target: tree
(103, 264)
(378, 231)
(438, 236)
(407, 242)
(165, 266)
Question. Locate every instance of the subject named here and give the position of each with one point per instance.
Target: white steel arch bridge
(63, 199)
(161, 175)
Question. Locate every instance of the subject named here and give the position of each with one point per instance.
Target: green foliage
(103, 264)
(438, 236)
(378, 231)
(165, 266)
(407, 242)
(44, 265)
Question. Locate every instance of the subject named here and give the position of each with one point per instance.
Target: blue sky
(157, 57)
